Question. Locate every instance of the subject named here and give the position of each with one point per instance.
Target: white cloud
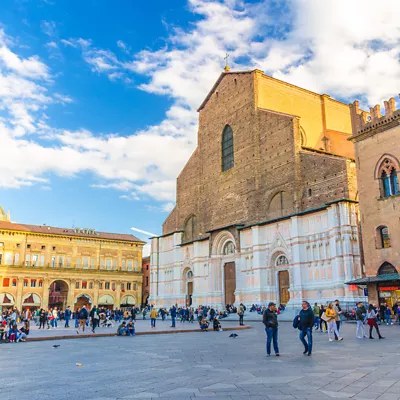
(314, 44)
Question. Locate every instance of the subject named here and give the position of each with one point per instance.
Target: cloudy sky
(98, 98)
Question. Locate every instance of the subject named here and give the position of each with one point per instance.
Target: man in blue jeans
(306, 318)
(172, 311)
(67, 316)
(270, 321)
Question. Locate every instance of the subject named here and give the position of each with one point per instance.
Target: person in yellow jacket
(332, 328)
(153, 317)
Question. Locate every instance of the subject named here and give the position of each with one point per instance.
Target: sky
(98, 98)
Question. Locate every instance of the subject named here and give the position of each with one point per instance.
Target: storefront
(382, 288)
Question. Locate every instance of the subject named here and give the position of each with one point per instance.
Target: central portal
(283, 277)
(230, 282)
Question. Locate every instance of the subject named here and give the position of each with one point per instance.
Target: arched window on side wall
(386, 269)
(227, 149)
(382, 237)
(190, 229)
(388, 178)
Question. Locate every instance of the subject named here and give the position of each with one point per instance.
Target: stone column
(117, 302)
(46, 293)
(96, 293)
(71, 292)
(20, 288)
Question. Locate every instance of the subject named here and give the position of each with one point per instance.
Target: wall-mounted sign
(389, 288)
(385, 295)
(353, 288)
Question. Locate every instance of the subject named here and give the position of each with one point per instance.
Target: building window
(91, 285)
(387, 269)
(101, 285)
(84, 285)
(25, 282)
(383, 238)
(128, 286)
(113, 286)
(33, 283)
(41, 260)
(14, 282)
(6, 282)
(147, 281)
(60, 261)
(102, 263)
(92, 261)
(107, 286)
(130, 264)
(28, 260)
(53, 261)
(16, 259)
(77, 285)
(18, 245)
(115, 264)
(389, 178)
(28, 246)
(43, 247)
(134, 286)
(122, 286)
(78, 263)
(40, 283)
(85, 262)
(190, 229)
(108, 264)
(123, 265)
(147, 267)
(68, 262)
(54, 248)
(35, 259)
(309, 192)
(227, 149)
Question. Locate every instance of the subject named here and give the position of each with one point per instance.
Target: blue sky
(98, 99)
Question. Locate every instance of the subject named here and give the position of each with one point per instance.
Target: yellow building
(45, 266)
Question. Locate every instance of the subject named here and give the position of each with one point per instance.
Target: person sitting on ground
(26, 328)
(204, 325)
(216, 324)
(131, 329)
(3, 333)
(122, 330)
(13, 333)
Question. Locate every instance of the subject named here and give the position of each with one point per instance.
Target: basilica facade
(267, 204)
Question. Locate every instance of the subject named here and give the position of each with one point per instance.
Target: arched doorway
(6, 301)
(58, 294)
(127, 302)
(283, 279)
(188, 286)
(83, 300)
(106, 301)
(31, 301)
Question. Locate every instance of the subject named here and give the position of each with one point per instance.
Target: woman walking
(372, 322)
(332, 327)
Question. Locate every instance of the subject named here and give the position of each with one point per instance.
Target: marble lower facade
(308, 256)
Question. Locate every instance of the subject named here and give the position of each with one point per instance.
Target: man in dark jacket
(270, 321)
(172, 311)
(67, 316)
(83, 316)
(306, 318)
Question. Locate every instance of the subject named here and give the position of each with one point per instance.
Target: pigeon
(233, 335)
(56, 345)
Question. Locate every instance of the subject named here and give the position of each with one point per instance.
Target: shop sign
(353, 287)
(385, 295)
(389, 288)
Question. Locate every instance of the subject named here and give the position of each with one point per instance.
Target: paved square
(202, 366)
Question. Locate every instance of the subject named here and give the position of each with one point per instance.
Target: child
(216, 324)
(204, 325)
(13, 333)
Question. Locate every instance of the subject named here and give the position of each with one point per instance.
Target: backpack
(296, 322)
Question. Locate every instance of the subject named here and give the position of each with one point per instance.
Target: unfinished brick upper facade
(268, 156)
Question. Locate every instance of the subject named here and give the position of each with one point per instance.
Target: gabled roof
(223, 74)
(375, 279)
(51, 230)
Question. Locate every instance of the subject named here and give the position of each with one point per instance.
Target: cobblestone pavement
(204, 365)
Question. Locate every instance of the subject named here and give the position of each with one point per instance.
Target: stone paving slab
(204, 366)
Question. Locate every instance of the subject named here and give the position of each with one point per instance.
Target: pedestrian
(360, 318)
(94, 315)
(388, 316)
(306, 319)
(332, 326)
(144, 313)
(316, 311)
(67, 316)
(338, 311)
(131, 328)
(322, 322)
(83, 315)
(372, 322)
(270, 321)
(42, 318)
(241, 314)
(153, 317)
(172, 311)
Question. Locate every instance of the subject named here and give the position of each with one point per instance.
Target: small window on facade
(18, 245)
(130, 265)
(54, 248)
(91, 285)
(33, 283)
(107, 286)
(227, 149)
(53, 261)
(28, 246)
(40, 283)
(384, 238)
(6, 282)
(123, 265)
(43, 247)
(282, 260)
(134, 286)
(122, 286)
(147, 281)
(147, 267)
(113, 286)
(309, 192)
(77, 285)
(84, 285)
(14, 282)
(25, 283)
(101, 285)
(128, 286)
(78, 263)
(389, 178)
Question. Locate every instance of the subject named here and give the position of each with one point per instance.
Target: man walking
(306, 319)
(270, 321)
(172, 311)
(94, 315)
(67, 316)
(83, 316)
(338, 312)
(153, 317)
(361, 312)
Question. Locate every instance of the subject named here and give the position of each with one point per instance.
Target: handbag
(324, 317)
